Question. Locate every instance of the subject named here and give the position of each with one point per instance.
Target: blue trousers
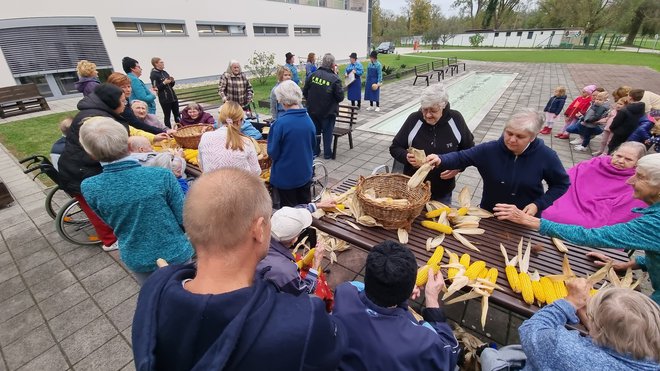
(324, 129)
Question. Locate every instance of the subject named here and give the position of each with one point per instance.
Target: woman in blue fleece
(513, 167)
(641, 233)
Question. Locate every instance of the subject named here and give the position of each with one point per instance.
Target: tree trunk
(636, 23)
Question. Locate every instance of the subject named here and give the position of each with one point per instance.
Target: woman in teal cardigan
(640, 234)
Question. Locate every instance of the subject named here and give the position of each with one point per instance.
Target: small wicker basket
(395, 186)
(189, 136)
(266, 162)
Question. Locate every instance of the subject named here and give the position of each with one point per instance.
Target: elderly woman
(310, 66)
(89, 77)
(291, 143)
(435, 128)
(234, 86)
(140, 111)
(164, 84)
(194, 114)
(624, 331)
(227, 146)
(640, 233)
(598, 194)
(144, 205)
(139, 89)
(282, 74)
(514, 166)
(124, 83)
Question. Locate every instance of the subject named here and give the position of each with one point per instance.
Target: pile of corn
(191, 156)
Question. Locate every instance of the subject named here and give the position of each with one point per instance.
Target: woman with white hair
(140, 110)
(291, 143)
(234, 85)
(641, 233)
(143, 205)
(513, 167)
(435, 128)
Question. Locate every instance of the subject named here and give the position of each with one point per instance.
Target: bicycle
(71, 222)
(319, 180)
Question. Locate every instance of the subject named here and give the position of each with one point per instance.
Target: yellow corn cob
(593, 292)
(475, 268)
(560, 289)
(462, 211)
(453, 259)
(492, 277)
(526, 288)
(306, 260)
(437, 227)
(538, 291)
(465, 260)
(434, 260)
(483, 273)
(422, 276)
(436, 213)
(548, 290)
(512, 277)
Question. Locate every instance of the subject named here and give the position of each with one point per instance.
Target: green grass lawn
(558, 56)
(33, 136)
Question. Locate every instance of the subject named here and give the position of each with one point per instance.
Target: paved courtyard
(68, 307)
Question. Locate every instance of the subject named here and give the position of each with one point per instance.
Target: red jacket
(579, 104)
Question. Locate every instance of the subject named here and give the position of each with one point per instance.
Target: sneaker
(562, 136)
(377, 109)
(369, 108)
(546, 130)
(577, 140)
(580, 148)
(114, 246)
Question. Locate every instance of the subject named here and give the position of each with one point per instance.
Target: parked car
(385, 47)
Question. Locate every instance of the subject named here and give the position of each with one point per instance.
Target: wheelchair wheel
(319, 180)
(55, 199)
(74, 226)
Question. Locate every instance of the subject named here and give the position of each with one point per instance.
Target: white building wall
(539, 38)
(192, 56)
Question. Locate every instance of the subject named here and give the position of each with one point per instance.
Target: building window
(530, 34)
(497, 34)
(220, 29)
(149, 28)
(307, 31)
(270, 30)
(508, 34)
(519, 33)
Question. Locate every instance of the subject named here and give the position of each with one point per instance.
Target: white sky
(396, 5)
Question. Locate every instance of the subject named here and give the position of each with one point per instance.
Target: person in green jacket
(640, 234)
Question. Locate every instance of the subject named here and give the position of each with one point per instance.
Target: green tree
(376, 22)
(476, 40)
(589, 14)
(261, 65)
(472, 10)
(644, 17)
(420, 13)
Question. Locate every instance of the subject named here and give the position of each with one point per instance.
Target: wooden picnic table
(193, 170)
(548, 261)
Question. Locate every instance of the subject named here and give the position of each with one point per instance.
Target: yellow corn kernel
(512, 277)
(548, 290)
(526, 288)
(436, 213)
(437, 227)
(538, 291)
(593, 292)
(560, 289)
(483, 274)
(453, 259)
(307, 260)
(462, 211)
(475, 268)
(492, 277)
(422, 276)
(465, 260)
(434, 260)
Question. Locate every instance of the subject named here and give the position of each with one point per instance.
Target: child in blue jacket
(553, 108)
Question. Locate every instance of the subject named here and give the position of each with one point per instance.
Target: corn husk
(352, 225)
(559, 244)
(438, 240)
(464, 241)
(160, 262)
(420, 155)
(471, 231)
(464, 197)
(403, 235)
(418, 178)
(479, 212)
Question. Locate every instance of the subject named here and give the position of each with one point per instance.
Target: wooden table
(193, 170)
(548, 261)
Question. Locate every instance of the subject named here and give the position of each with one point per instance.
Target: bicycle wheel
(319, 180)
(74, 226)
(55, 198)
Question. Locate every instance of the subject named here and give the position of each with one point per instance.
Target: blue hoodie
(254, 328)
(512, 179)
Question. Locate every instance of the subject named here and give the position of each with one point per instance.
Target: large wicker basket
(266, 161)
(394, 186)
(189, 136)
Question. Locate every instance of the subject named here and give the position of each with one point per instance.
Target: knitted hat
(390, 274)
(109, 94)
(589, 88)
(287, 223)
(127, 63)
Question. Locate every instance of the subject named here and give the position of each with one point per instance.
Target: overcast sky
(396, 5)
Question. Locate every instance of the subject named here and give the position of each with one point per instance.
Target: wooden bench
(439, 67)
(453, 63)
(347, 115)
(20, 99)
(205, 96)
(424, 71)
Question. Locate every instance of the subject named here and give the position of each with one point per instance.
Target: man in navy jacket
(217, 315)
(383, 334)
(514, 166)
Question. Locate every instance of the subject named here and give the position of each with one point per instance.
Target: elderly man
(216, 315)
(435, 128)
(235, 86)
(514, 166)
(323, 92)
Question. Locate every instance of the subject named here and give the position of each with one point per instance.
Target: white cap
(288, 222)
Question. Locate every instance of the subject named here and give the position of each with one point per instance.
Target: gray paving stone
(36, 259)
(15, 305)
(8, 272)
(28, 347)
(20, 325)
(122, 315)
(61, 246)
(78, 253)
(3, 246)
(514, 336)
(43, 272)
(74, 319)
(62, 301)
(88, 339)
(29, 248)
(103, 278)
(50, 360)
(92, 265)
(11, 219)
(52, 286)
(113, 353)
(127, 335)
(23, 237)
(115, 294)
(129, 367)
(5, 258)
(11, 287)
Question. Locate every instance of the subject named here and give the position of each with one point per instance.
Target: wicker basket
(189, 136)
(266, 162)
(396, 186)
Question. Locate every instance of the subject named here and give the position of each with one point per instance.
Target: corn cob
(560, 289)
(483, 273)
(307, 260)
(462, 211)
(437, 226)
(475, 268)
(434, 260)
(526, 288)
(510, 270)
(593, 292)
(492, 277)
(537, 288)
(453, 259)
(548, 290)
(422, 276)
(436, 213)
(465, 260)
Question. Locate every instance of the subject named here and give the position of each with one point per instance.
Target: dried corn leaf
(458, 283)
(639, 280)
(301, 243)
(466, 219)
(484, 311)
(342, 197)
(356, 207)
(369, 193)
(614, 279)
(368, 221)
(524, 261)
(559, 244)
(471, 231)
(333, 257)
(438, 240)
(627, 279)
(467, 296)
(566, 267)
(442, 219)
(418, 178)
(466, 225)
(464, 241)
(318, 214)
(479, 212)
(403, 235)
(464, 197)
(420, 155)
(352, 225)
(429, 243)
(600, 274)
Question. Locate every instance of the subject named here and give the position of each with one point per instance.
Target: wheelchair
(71, 222)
